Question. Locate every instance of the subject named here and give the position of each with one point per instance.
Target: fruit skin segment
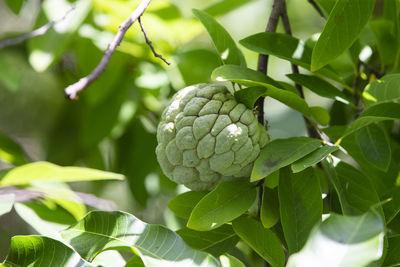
(205, 135)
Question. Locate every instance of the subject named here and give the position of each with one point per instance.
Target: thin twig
(72, 91)
(371, 69)
(150, 42)
(312, 2)
(37, 32)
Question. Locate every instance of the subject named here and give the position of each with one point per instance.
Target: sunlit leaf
(41, 251)
(225, 6)
(343, 241)
(280, 153)
(227, 201)
(223, 42)
(156, 245)
(49, 172)
(261, 239)
(183, 204)
(313, 158)
(251, 77)
(387, 88)
(6, 203)
(230, 261)
(300, 202)
(344, 25)
(11, 152)
(215, 242)
(374, 144)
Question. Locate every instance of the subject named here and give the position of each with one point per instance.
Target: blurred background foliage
(112, 125)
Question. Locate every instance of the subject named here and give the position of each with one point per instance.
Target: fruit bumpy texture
(206, 135)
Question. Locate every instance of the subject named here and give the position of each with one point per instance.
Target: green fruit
(206, 135)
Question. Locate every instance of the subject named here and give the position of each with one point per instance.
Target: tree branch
(37, 32)
(312, 2)
(150, 43)
(72, 91)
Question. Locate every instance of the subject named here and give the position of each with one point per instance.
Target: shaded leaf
(183, 204)
(227, 201)
(261, 239)
(215, 242)
(49, 172)
(343, 241)
(280, 153)
(326, 5)
(225, 6)
(319, 86)
(300, 202)
(251, 77)
(41, 251)
(344, 25)
(156, 245)
(355, 191)
(223, 42)
(313, 158)
(286, 47)
(386, 40)
(10, 76)
(387, 88)
(393, 253)
(6, 203)
(11, 152)
(374, 144)
(248, 96)
(269, 207)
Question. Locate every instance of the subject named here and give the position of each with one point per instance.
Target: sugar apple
(206, 135)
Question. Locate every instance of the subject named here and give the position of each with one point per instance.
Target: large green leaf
(384, 31)
(6, 203)
(313, 158)
(345, 23)
(374, 144)
(286, 47)
(393, 253)
(355, 191)
(280, 153)
(215, 242)
(41, 251)
(156, 245)
(387, 88)
(223, 42)
(11, 152)
(227, 201)
(183, 204)
(300, 202)
(343, 241)
(319, 86)
(261, 239)
(49, 172)
(375, 113)
(269, 207)
(251, 77)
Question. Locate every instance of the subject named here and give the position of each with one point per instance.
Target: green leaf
(251, 77)
(41, 251)
(225, 6)
(386, 40)
(320, 114)
(215, 242)
(393, 253)
(269, 207)
(355, 191)
(374, 144)
(10, 75)
(343, 241)
(223, 42)
(11, 152)
(280, 153)
(6, 203)
(183, 204)
(375, 113)
(197, 65)
(326, 5)
(392, 208)
(15, 5)
(300, 202)
(319, 86)
(313, 158)
(387, 88)
(227, 201)
(261, 239)
(155, 244)
(49, 172)
(286, 47)
(248, 96)
(345, 23)
(230, 261)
